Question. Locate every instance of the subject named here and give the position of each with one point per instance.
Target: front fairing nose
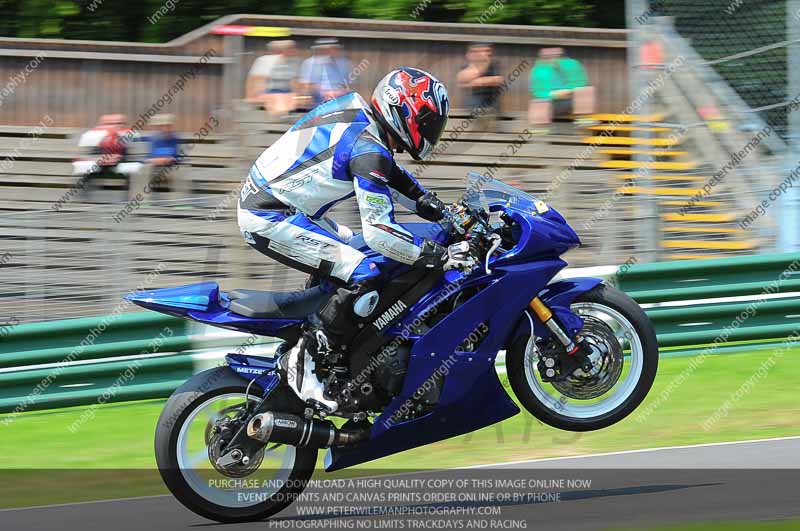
(539, 235)
(559, 229)
(569, 236)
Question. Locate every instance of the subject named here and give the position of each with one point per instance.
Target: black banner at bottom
(488, 498)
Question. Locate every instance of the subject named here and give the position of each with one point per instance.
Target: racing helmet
(412, 106)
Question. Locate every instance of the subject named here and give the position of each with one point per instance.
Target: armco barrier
(106, 382)
(114, 358)
(760, 306)
(90, 338)
(753, 320)
(706, 279)
(691, 303)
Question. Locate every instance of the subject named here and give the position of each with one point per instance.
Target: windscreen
(484, 191)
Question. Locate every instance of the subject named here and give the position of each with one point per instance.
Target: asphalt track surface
(746, 481)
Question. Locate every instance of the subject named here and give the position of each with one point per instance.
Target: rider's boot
(330, 328)
(325, 335)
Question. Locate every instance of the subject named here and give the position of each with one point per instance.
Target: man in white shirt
(259, 72)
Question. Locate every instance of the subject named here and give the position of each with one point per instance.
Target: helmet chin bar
(402, 145)
(398, 144)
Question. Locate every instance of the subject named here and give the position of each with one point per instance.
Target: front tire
(546, 403)
(182, 431)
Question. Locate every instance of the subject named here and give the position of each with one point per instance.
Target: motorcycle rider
(344, 147)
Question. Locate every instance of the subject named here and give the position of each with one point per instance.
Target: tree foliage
(130, 20)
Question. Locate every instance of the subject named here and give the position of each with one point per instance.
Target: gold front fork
(542, 312)
(545, 315)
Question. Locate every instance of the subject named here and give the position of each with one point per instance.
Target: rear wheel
(188, 445)
(624, 354)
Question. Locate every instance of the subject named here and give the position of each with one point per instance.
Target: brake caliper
(555, 364)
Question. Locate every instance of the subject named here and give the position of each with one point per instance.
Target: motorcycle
(239, 442)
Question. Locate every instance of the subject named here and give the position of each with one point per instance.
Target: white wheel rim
(202, 478)
(549, 397)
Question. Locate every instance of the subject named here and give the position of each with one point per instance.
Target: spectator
(163, 156)
(480, 81)
(257, 77)
(104, 151)
(280, 94)
(652, 54)
(324, 75)
(559, 87)
(164, 150)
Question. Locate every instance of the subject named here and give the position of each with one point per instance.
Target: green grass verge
(121, 436)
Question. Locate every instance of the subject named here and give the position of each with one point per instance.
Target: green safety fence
(769, 313)
(162, 350)
(99, 383)
(745, 321)
(75, 361)
(704, 279)
(92, 338)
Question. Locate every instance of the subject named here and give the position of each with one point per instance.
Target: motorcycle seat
(277, 304)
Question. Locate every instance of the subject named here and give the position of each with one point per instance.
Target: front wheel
(625, 360)
(188, 446)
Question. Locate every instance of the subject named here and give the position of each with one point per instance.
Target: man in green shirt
(559, 87)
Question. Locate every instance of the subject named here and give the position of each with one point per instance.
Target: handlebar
(473, 225)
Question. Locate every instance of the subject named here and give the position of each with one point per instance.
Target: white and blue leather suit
(334, 152)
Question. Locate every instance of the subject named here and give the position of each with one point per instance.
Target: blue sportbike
(239, 442)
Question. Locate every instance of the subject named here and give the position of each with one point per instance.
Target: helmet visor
(431, 124)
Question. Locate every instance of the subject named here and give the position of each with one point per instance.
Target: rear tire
(190, 396)
(601, 296)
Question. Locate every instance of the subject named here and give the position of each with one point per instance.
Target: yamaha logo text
(389, 315)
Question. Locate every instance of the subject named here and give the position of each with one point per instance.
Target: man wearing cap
(325, 73)
(479, 79)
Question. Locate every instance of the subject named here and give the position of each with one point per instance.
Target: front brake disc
(607, 362)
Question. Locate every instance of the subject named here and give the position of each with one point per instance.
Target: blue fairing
(557, 296)
(178, 301)
(204, 303)
(539, 236)
(471, 396)
(257, 368)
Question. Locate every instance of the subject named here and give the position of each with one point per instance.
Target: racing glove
(460, 256)
(456, 256)
(430, 207)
